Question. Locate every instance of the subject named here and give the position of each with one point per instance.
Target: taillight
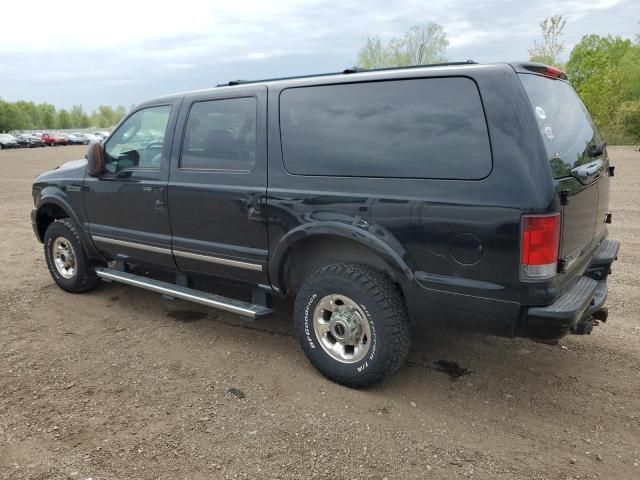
(540, 245)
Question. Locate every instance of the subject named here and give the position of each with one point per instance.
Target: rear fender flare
(382, 243)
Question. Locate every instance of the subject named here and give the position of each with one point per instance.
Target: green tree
(121, 111)
(373, 54)
(12, 117)
(30, 110)
(79, 119)
(24, 115)
(606, 73)
(594, 55)
(107, 116)
(421, 45)
(3, 120)
(628, 119)
(64, 119)
(48, 115)
(549, 49)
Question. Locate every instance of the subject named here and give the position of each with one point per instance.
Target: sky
(119, 52)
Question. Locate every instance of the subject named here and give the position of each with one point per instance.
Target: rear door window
(417, 128)
(221, 135)
(565, 124)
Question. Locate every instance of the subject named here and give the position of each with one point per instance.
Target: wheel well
(309, 255)
(47, 214)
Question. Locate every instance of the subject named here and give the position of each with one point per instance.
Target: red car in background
(53, 140)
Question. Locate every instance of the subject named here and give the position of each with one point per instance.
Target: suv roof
(367, 74)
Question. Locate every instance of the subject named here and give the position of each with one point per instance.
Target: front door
(127, 205)
(218, 183)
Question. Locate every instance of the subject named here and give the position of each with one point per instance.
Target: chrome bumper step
(245, 309)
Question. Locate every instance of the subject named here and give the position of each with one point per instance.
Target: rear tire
(352, 324)
(66, 259)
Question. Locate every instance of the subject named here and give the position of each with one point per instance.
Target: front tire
(352, 324)
(66, 259)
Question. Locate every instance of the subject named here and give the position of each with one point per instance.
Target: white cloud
(132, 50)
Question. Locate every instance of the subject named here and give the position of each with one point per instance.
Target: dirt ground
(121, 384)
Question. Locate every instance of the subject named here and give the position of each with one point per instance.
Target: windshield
(566, 126)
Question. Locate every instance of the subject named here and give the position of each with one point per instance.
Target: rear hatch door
(578, 161)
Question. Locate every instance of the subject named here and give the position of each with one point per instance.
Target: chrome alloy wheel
(342, 328)
(64, 257)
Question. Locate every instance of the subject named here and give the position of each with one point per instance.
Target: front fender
(54, 195)
(372, 236)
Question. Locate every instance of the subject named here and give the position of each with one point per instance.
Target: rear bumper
(574, 311)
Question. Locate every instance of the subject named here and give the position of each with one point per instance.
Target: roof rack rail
(409, 67)
(354, 70)
(231, 83)
(346, 71)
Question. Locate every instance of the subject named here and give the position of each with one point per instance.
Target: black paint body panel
(453, 246)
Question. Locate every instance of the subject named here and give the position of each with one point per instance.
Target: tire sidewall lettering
(374, 341)
(307, 329)
(49, 254)
(374, 337)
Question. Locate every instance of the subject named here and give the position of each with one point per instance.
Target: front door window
(139, 141)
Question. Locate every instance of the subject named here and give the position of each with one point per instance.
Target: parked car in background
(8, 141)
(22, 142)
(101, 135)
(75, 139)
(54, 139)
(27, 140)
(86, 138)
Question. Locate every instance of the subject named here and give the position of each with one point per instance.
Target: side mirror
(95, 159)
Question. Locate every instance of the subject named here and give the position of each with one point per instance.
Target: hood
(72, 164)
(74, 169)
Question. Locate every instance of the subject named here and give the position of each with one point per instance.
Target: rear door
(578, 161)
(218, 184)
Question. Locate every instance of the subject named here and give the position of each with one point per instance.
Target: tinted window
(139, 141)
(565, 123)
(221, 135)
(424, 128)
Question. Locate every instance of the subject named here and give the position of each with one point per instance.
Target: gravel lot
(121, 384)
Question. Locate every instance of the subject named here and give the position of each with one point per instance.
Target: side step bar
(255, 312)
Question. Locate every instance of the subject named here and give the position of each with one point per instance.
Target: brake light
(554, 72)
(540, 246)
(546, 70)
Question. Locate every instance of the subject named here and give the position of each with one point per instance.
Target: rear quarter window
(417, 128)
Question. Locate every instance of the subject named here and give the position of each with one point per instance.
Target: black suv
(468, 195)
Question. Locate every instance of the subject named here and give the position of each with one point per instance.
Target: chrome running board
(245, 309)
